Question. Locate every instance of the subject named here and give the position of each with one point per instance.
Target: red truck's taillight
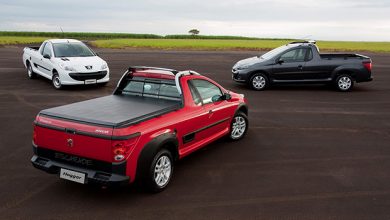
(367, 65)
(34, 136)
(122, 148)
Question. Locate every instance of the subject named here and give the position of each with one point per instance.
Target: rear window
(158, 89)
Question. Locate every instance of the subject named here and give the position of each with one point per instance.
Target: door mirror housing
(280, 61)
(217, 98)
(46, 56)
(226, 96)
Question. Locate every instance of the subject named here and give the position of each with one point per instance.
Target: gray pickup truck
(301, 62)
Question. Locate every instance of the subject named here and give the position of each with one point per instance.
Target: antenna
(63, 34)
(307, 37)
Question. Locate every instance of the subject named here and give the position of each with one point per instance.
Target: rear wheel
(56, 81)
(30, 71)
(344, 82)
(259, 81)
(160, 171)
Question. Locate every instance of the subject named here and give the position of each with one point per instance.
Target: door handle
(210, 111)
(300, 67)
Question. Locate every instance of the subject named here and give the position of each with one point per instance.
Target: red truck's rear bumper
(43, 160)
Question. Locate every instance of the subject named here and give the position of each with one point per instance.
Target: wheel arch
(340, 71)
(242, 107)
(250, 75)
(167, 141)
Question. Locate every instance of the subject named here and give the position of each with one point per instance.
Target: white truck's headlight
(67, 68)
(104, 66)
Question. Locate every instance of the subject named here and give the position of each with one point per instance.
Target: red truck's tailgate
(73, 138)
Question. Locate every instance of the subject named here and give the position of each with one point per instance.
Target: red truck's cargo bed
(113, 110)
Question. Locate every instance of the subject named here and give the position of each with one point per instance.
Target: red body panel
(82, 145)
(190, 118)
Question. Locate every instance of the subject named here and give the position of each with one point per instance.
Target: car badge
(88, 67)
(69, 142)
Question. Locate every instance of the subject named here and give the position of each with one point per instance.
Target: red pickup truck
(154, 117)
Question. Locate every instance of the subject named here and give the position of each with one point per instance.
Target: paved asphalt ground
(311, 152)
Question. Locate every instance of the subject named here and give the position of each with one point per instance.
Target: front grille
(86, 76)
(119, 168)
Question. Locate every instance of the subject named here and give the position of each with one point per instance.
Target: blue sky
(358, 20)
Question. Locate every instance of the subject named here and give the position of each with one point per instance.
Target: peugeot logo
(69, 142)
(88, 67)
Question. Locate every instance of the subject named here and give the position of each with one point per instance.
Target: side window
(47, 49)
(296, 55)
(206, 89)
(194, 94)
(43, 48)
(309, 54)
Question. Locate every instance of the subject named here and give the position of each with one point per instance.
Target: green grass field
(179, 42)
(201, 44)
(8, 40)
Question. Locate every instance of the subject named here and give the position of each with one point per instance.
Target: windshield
(274, 52)
(72, 50)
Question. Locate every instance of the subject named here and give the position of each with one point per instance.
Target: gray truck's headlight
(242, 67)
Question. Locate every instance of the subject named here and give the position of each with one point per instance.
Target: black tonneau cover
(113, 110)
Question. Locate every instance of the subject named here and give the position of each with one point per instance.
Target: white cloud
(331, 19)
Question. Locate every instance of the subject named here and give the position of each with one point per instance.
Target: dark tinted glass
(296, 55)
(206, 90)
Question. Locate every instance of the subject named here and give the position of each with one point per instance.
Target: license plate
(72, 176)
(90, 81)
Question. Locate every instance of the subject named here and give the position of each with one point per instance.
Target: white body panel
(63, 65)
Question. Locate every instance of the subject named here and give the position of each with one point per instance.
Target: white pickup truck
(65, 62)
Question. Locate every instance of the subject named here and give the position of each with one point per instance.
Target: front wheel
(259, 81)
(344, 83)
(56, 81)
(160, 171)
(238, 126)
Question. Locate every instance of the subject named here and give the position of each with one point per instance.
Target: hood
(80, 64)
(247, 62)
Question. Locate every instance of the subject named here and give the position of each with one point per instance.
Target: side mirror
(97, 54)
(46, 56)
(280, 61)
(226, 96)
(217, 98)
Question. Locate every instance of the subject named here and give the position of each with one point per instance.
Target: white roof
(64, 41)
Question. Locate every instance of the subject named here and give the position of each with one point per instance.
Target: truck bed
(342, 56)
(113, 110)
(32, 47)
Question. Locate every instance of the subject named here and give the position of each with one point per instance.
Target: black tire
(149, 180)
(30, 72)
(259, 81)
(56, 82)
(344, 83)
(241, 119)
